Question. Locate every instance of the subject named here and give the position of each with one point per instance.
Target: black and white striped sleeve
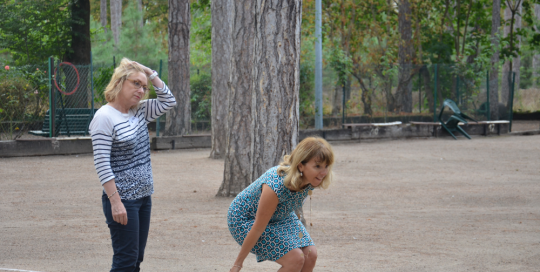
(157, 107)
(101, 143)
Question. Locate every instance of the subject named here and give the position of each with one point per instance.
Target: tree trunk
(178, 120)
(337, 100)
(103, 14)
(513, 64)
(80, 55)
(221, 58)
(404, 91)
(238, 158)
(265, 81)
(140, 9)
(494, 73)
(116, 19)
(276, 82)
(536, 57)
(427, 84)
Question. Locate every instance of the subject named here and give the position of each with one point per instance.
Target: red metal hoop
(78, 79)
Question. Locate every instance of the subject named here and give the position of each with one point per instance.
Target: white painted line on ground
(19, 270)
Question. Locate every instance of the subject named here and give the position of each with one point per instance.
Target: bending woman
(122, 158)
(261, 218)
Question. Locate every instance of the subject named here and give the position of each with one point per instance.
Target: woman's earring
(301, 174)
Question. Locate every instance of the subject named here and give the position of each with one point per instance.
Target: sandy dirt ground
(403, 205)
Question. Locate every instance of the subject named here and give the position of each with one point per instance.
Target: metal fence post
(435, 96)
(512, 100)
(419, 93)
(343, 108)
(488, 111)
(457, 91)
(51, 120)
(159, 118)
(92, 83)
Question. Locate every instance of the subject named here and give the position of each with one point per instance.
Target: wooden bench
(67, 122)
(371, 124)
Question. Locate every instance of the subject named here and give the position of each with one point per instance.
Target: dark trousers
(129, 241)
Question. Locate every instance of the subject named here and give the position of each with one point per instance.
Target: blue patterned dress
(284, 231)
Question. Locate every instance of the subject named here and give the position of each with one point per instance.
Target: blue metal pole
(512, 101)
(488, 110)
(159, 118)
(318, 67)
(50, 98)
(92, 81)
(435, 96)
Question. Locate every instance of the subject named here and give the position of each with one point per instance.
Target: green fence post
(419, 93)
(512, 100)
(159, 118)
(50, 97)
(343, 108)
(488, 111)
(92, 82)
(435, 96)
(457, 90)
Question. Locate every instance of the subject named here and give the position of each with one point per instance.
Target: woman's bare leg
(293, 261)
(310, 258)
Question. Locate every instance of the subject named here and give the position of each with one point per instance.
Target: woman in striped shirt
(122, 158)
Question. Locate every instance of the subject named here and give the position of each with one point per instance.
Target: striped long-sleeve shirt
(122, 146)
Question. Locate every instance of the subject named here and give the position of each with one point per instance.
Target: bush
(20, 100)
(201, 96)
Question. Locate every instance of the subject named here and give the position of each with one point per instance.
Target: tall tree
(265, 80)
(103, 14)
(277, 82)
(238, 172)
(494, 72)
(536, 57)
(178, 119)
(116, 19)
(221, 57)
(140, 8)
(80, 53)
(512, 17)
(405, 57)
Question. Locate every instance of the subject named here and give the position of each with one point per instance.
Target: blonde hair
(307, 149)
(121, 73)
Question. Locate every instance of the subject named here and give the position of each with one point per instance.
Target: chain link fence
(379, 94)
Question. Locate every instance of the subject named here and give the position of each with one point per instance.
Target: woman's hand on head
(146, 70)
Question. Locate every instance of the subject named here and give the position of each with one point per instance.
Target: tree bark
(265, 81)
(276, 82)
(536, 57)
(116, 19)
(178, 120)
(513, 64)
(237, 173)
(80, 55)
(406, 50)
(221, 58)
(140, 9)
(103, 14)
(494, 73)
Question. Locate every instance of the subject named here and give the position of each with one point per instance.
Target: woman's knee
(310, 253)
(294, 259)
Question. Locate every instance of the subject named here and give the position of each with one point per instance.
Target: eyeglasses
(138, 84)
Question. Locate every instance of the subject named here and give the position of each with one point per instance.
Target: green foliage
(307, 94)
(201, 96)
(21, 99)
(135, 42)
(201, 34)
(35, 30)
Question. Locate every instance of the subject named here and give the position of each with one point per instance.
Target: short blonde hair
(307, 149)
(121, 73)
